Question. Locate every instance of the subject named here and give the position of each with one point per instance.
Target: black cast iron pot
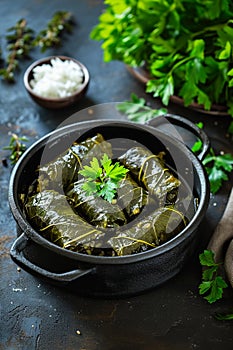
(99, 275)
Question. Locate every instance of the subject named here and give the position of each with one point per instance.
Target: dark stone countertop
(37, 315)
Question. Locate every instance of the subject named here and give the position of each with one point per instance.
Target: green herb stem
(213, 28)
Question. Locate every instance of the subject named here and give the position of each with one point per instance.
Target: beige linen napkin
(221, 243)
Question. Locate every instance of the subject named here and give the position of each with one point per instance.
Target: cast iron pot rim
(32, 234)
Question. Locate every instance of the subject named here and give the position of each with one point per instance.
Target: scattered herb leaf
(217, 167)
(212, 284)
(137, 110)
(17, 147)
(103, 178)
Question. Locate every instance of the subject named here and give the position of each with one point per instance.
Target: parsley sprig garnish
(212, 284)
(103, 177)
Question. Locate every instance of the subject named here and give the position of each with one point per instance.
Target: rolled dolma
(64, 169)
(96, 210)
(50, 213)
(149, 171)
(131, 197)
(151, 231)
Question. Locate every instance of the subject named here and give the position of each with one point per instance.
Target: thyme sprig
(19, 45)
(51, 36)
(17, 147)
(22, 39)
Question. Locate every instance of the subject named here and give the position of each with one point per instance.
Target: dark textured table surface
(37, 315)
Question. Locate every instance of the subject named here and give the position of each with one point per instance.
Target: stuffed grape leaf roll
(51, 214)
(150, 171)
(63, 170)
(96, 210)
(131, 197)
(151, 231)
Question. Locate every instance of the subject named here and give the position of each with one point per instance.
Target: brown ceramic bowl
(59, 102)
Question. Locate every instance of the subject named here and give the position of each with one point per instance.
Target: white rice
(58, 79)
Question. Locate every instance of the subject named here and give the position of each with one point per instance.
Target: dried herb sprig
(17, 147)
(51, 36)
(19, 45)
(22, 40)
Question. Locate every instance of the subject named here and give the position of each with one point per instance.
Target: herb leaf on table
(137, 110)
(212, 284)
(17, 147)
(217, 167)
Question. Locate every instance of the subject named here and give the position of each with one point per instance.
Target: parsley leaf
(207, 258)
(103, 178)
(216, 167)
(198, 144)
(137, 110)
(212, 284)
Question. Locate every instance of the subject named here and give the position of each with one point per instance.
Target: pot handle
(188, 125)
(16, 253)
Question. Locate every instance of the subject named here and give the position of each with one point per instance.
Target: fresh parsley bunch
(103, 177)
(186, 45)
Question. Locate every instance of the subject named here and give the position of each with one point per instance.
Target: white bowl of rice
(56, 81)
